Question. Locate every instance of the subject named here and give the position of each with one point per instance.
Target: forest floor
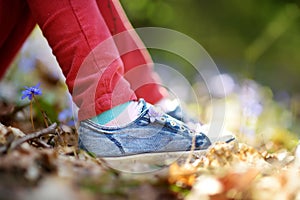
(44, 162)
(47, 164)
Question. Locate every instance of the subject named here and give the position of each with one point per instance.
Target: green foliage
(50, 109)
(253, 39)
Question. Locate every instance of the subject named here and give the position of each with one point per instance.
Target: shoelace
(158, 114)
(155, 113)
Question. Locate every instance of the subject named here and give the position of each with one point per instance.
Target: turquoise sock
(109, 115)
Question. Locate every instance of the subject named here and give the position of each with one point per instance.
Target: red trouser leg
(138, 63)
(16, 24)
(79, 38)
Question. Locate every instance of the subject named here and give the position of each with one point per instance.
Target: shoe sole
(148, 162)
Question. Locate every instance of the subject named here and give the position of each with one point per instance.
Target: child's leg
(138, 64)
(74, 29)
(80, 40)
(16, 24)
(142, 78)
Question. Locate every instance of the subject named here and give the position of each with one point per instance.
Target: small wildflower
(66, 116)
(31, 91)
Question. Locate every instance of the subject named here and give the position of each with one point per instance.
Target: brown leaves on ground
(182, 175)
(29, 168)
(238, 171)
(62, 171)
(32, 170)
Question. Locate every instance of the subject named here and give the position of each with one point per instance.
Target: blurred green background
(249, 40)
(256, 39)
(254, 43)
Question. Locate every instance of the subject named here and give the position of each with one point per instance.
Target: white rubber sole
(148, 162)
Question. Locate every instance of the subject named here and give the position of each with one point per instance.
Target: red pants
(98, 76)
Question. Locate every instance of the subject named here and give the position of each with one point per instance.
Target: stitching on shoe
(116, 142)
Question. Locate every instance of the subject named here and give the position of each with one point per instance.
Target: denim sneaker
(154, 137)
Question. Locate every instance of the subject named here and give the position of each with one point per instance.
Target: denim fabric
(151, 132)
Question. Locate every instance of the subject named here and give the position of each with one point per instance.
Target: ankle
(119, 115)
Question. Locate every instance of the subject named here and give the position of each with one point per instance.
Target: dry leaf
(182, 175)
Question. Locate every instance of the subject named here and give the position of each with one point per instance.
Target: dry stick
(42, 143)
(31, 136)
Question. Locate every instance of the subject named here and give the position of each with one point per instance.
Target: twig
(31, 136)
(41, 143)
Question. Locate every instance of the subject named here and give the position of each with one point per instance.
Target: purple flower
(31, 91)
(66, 116)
